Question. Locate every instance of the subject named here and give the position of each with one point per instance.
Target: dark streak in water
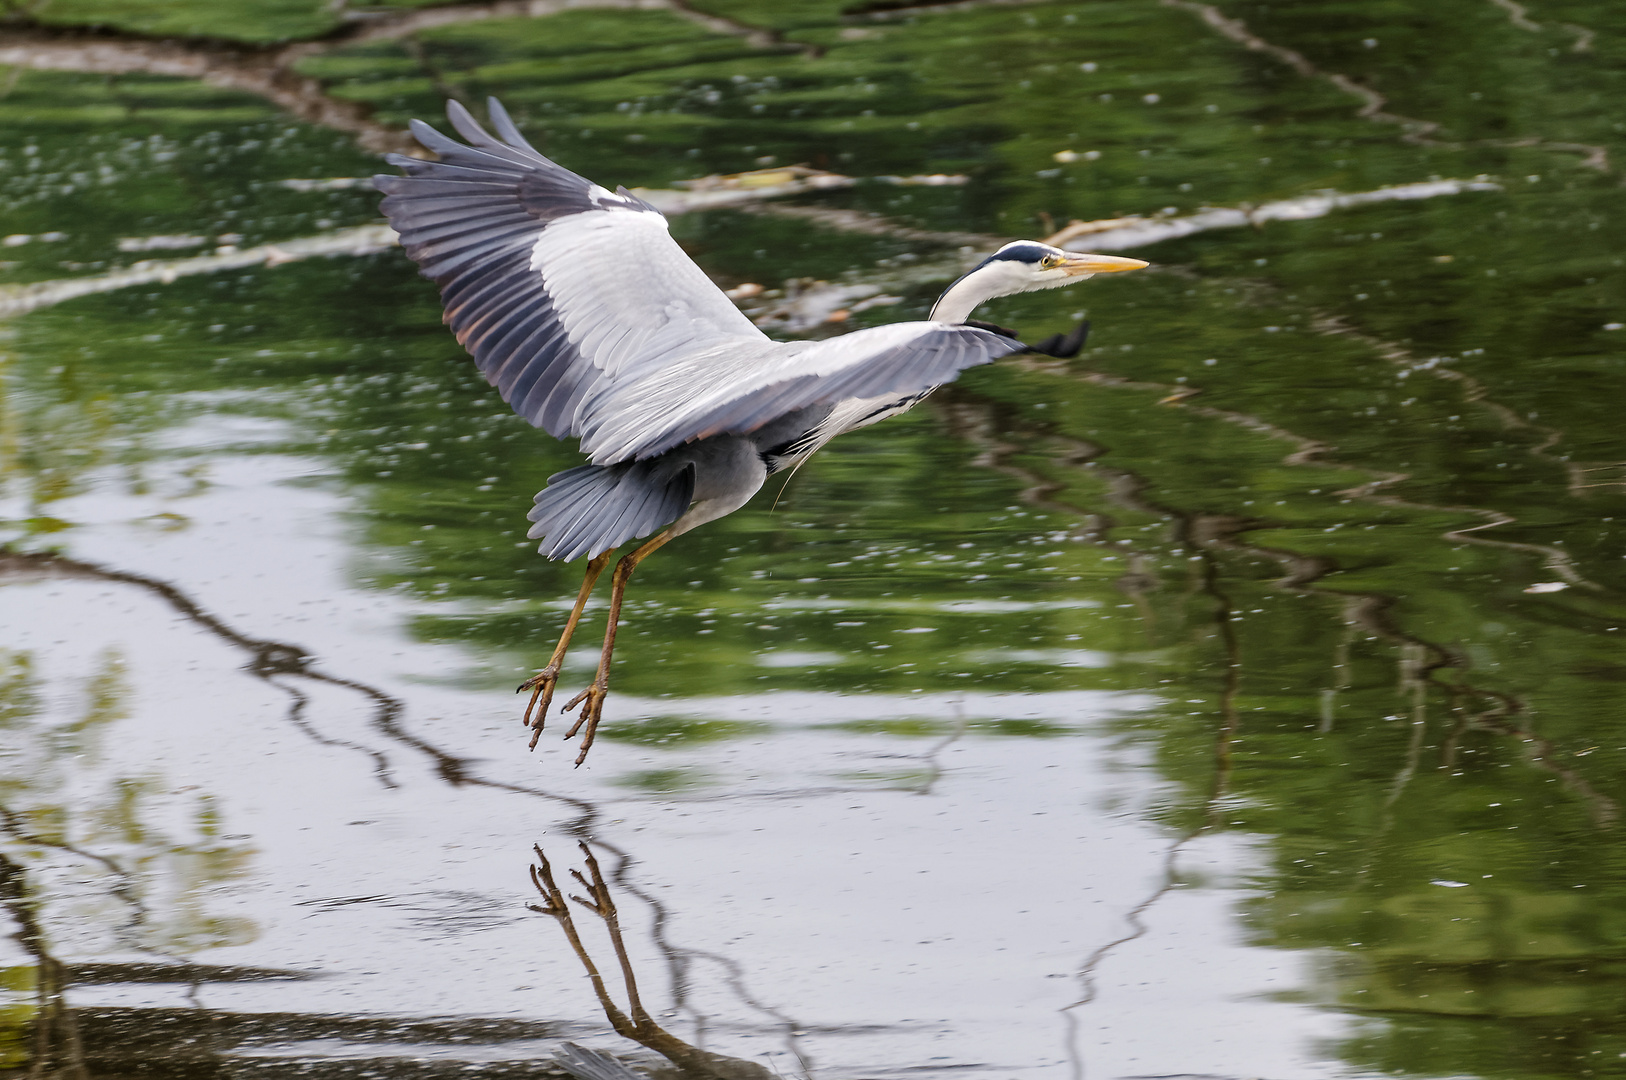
(1496, 711)
(1375, 105)
(271, 660)
(268, 71)
(1368, 610)
(57, 1049)
(1230, 724)
(267, 659)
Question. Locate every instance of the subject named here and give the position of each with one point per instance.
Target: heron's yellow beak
(1100, 264)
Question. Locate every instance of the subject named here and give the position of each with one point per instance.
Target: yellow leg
(594, 695)
(542, 684)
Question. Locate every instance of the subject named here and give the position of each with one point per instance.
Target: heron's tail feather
(593, 508)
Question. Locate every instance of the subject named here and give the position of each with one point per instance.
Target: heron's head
(1020, 267)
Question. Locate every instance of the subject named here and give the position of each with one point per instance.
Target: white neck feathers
(999, 278)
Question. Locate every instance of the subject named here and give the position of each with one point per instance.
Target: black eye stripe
(1028, 253)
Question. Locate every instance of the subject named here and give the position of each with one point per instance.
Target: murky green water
(1241, 698)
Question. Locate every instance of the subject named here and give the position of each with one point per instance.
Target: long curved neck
(958, 302)
(987, 281)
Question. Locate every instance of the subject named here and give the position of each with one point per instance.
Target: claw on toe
(592, 712)
(541, 685)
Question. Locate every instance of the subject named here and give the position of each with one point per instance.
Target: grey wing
(558, 287)
(742, 391)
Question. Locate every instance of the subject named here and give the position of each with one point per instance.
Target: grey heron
(577, 304)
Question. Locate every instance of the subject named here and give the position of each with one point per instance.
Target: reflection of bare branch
(1230, 725)
(1519, 16)
(394, 25)
(268, 71)
(1420, 659)
(640, 1027)
(268, 659)
(1206, 533)
(892, 9)
(1501, 719)
(1583, 37)
(57, 1050)
(263, 72)
(277, 662)
(1304, 574)
(1585, 477)
(274, 661)
(1556, 558)
(1374, 106)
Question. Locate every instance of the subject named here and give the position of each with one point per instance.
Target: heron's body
(579, 307)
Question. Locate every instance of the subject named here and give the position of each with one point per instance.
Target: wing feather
(744, 391)
(590, 320)
(557, 286)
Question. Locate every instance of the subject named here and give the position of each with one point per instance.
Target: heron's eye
(1050, 262)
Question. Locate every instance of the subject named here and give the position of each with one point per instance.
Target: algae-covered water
(1241, 698)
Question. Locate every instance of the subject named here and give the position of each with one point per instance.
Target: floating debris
(733, 189)
(765, 178)
(1117, 234)
(19, 239)
(808, 303)
(332, 183)
(928, 180)
(161, 243)
(361, 240)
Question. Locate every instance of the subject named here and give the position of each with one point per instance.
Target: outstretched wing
(557, 286)
(734, 392)
(583, 311)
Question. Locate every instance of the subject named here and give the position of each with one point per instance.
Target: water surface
(1240, 698)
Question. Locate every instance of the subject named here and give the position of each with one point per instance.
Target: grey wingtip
(465, 123)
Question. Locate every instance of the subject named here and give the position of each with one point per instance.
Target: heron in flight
(577, 304)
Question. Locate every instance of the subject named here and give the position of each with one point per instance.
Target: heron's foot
(541, 685)
(592, 702)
